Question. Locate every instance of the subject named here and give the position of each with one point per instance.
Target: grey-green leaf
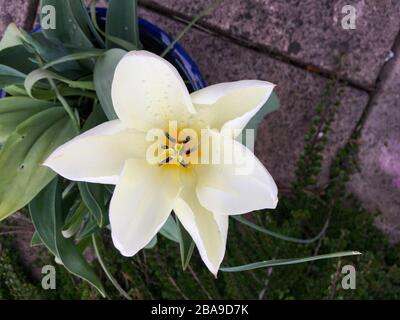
(103, 76)
(271, 105)
(278, 235)
(22, 174)
(11, 37)
(67, 29)
(18, 58)
(46, 212)
(122, 22)
(40, 74)
(152, 243)
(10, 76)
(36, 241)
(186, 245)
(284, 262)
(93, 197)
(14, 110)
(170, 229)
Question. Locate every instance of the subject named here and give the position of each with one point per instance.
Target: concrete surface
(378, 182)
(309, 32)
(22, 12)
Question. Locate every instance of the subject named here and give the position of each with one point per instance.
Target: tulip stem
(107, 272)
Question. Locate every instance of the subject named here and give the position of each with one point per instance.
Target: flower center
(177, 151)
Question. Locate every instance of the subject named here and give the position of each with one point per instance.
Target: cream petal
(209, 231)
(234, 182)
(98, 155)
(232, 104)
(141, 203)
(147, 91)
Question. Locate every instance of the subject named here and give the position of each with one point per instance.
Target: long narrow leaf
(284, 262)
(46, 212)
(120, 42)
(186, 245)
(40, 74)
(280, 236)
(103, 76)
(74, 57)
(122, 22)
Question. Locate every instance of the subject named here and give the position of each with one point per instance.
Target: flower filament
(176, 151)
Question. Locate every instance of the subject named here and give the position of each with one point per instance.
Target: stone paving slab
(280, 137)
(307, 31)
(378, 183)
(22, 12)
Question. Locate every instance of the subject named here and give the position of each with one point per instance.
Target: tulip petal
(141, 203)
(147, 92)
(209, 231)
(232, 104)
(236, 182)
(98, 155)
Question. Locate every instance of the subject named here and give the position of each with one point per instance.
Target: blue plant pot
(156, 40)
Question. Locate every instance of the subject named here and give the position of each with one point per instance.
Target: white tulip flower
(148, 93)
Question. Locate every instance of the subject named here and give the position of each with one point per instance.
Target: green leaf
(122, 22)
(90, 227)
(280, 236)
(14, 110)
(40, 74)
(283, 262)
(73, 223)
(36, 241)
(75, 56)
(22, 175)
(93, 197)
(103, 76)
(48, 94)
(18, 58)
(9, 76)
(46, 212)
(11, 37)
(120, 42)
(86, 24)
(170, 230)
(186, 245)
(271, 105)
(68, 31)
(95, 118)
(52, 50)
(81, 16)
(152, 243)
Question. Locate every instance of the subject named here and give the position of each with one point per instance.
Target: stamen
(165, 161)
(173, 140)
(164, 146)
(187, 139)
(189, 151)
(183, 164)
